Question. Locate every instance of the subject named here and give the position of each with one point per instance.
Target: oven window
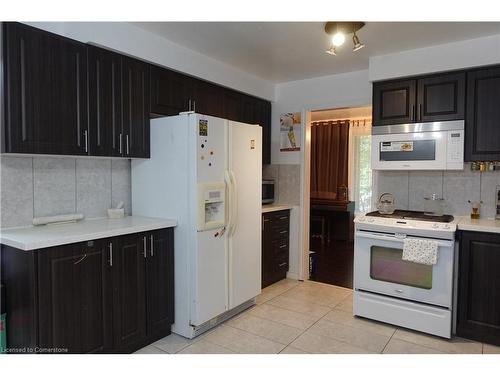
(408, 150)
(386, 265)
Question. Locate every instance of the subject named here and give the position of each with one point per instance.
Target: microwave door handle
(392, 238)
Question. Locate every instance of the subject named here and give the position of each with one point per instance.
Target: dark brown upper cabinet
(135, 140)
(482, 124)
(394, 102)
(232, 105)
(478, 299)
(105, 102)
(45, 92)
(207, 98)
(170, 92)
(423, 99)
(441, 98)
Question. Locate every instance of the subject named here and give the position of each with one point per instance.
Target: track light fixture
(338, 31)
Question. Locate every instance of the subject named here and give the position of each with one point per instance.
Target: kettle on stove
(385, 205)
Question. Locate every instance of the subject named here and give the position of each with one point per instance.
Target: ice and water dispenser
(211, 206)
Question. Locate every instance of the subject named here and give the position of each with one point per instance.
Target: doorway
(340, 186)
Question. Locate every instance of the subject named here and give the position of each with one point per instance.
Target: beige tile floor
(293, 317)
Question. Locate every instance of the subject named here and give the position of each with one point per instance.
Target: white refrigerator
(206, 173)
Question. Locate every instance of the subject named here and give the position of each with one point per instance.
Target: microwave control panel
(455, 147)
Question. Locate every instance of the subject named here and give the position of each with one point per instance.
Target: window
(360, 165)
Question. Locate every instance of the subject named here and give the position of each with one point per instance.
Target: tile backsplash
(456, 187)
(287, 177)
(45, 186)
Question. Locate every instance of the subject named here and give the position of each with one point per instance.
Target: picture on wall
(290, 131)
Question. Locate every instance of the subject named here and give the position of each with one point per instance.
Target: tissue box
(116, 213)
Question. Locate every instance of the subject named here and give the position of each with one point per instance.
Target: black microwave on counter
(267, 191)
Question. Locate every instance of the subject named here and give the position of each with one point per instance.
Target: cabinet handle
(282, 264)
(128, 150)
(283, 217)
(189, 105)
(282, 246)
(152, 245)
(194, 105)
(86, 135)
(420, 112)
(144, 242)
(121, 148)
(283, 232)
(81, 259)
(412, 117)
(111, 254)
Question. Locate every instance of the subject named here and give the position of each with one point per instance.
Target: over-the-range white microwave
(421, 146)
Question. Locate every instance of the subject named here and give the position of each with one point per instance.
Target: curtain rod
(361, 121)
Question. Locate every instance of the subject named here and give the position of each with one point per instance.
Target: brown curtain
(329, 154)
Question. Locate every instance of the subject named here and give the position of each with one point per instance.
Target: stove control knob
(361, 219)
(371, 220)
(447, 226)
(435, 226)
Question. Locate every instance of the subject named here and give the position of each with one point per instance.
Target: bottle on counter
(475, 209)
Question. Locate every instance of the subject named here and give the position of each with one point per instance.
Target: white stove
(416, 227)
(392, 290)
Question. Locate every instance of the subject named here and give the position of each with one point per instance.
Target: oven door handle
(388, 237)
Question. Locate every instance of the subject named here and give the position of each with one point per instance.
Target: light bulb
(338, 39)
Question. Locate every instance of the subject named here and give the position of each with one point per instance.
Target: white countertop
(479, 225)
(275, 207)
(31, 238)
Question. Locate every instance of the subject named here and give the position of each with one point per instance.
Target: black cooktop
(414, 215)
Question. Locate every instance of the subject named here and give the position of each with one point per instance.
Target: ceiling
(288, 51)
(342, 114)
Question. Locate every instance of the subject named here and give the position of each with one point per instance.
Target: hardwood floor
(334, 262)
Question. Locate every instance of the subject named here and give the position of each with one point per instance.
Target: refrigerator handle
(234, 204)
(229, 203)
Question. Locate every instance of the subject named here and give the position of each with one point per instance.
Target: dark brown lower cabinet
(74, 294)
(275, 246)
(111, 295)
(478, 315)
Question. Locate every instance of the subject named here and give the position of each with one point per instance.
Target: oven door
(409, 151)
(379, 268)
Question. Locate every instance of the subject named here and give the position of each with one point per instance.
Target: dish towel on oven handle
(420, 251)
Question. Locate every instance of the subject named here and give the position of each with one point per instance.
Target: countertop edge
(278, 207)
(35, 245)
(482, 225)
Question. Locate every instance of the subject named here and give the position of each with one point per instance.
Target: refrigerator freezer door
(209, 277)
(245, 165)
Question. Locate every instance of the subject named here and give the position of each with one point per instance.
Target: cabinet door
(264, 120)
(129, 302)
(482, 126)
(479, 287)
(135, 80)
(250, 110)
(169, 92)
(74, 289)
(441, 98)
(46, 92)
(232, 105)
(105, 111)
(267, 251)
(160, 282)
(208, 98)
(394, 102)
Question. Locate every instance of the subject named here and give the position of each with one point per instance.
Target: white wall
(132, 40)
(458, 55)
(335, 91)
